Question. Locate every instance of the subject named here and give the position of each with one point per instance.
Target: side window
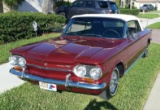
(113, 6)
(103, 4)
(78, 4)
(89, 4)
(133, 28)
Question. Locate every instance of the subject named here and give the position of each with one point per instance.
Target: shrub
(15, 26)
(128, 11)
(63, 3)
(13, 4)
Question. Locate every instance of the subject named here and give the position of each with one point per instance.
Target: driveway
(7, 80)
(156, 36)
(146, 21)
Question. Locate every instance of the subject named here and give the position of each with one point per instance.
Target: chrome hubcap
(114, 82)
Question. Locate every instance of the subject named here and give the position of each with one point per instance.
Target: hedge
(129, 11)
(18, 25)
(63, 3)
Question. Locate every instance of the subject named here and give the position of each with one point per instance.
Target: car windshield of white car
(95, 27)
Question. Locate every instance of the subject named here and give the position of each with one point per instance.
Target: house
(36, 6)
(31, 6)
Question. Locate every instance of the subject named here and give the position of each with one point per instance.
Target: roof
(118, 16)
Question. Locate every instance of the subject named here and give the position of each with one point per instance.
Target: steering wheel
(111, 33)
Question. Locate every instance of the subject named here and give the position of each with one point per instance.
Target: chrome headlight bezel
(16, 60)
(13, 60)
(80, 70)
(22, 62)
(93, 72)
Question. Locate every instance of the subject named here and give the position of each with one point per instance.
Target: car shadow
(95, 105)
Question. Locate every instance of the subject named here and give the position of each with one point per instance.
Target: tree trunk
(1, 6)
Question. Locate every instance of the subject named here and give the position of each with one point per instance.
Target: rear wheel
(145, 54)
(113, 85)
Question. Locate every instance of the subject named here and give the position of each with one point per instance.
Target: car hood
(66, 50)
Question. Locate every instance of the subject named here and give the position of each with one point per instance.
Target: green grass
(151, 12)
(4, 49)
(133, 92)
(154, 26)
(151, 16)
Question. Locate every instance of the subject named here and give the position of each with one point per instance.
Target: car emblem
(45, 64)
(64, 66)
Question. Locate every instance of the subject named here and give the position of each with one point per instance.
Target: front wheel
(113, 85)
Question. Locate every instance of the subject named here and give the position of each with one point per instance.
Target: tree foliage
(13, 4)
(118, 3)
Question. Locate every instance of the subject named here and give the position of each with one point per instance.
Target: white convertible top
(117, 16)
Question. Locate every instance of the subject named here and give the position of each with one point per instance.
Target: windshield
(95, 27)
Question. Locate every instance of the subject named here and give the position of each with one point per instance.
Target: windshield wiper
(71, 34)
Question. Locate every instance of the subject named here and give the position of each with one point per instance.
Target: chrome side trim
(47, 68)
(126, 71)
(60, 82)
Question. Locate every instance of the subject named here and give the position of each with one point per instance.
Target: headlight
(17, 60)
(96, 73)
(80, 70)
(13, 60)
(22, 62)
(88, 71)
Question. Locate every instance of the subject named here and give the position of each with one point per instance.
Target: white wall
(31, 6)
(158, 7)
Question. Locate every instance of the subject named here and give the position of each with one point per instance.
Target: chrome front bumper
(66, 83)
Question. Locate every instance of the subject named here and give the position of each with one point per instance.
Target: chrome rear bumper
(67, 82)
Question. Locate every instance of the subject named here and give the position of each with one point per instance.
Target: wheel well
(149, 40)
(120, 66)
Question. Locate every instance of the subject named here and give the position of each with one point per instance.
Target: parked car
(90, 56)
(88, 7)
(147, 7)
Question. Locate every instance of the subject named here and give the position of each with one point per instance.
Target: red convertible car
(90, 56)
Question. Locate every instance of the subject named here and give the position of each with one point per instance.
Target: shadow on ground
(95, 105)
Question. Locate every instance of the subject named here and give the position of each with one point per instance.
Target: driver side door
(134, 41)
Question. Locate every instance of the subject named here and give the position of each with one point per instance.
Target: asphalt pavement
(9, 81)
